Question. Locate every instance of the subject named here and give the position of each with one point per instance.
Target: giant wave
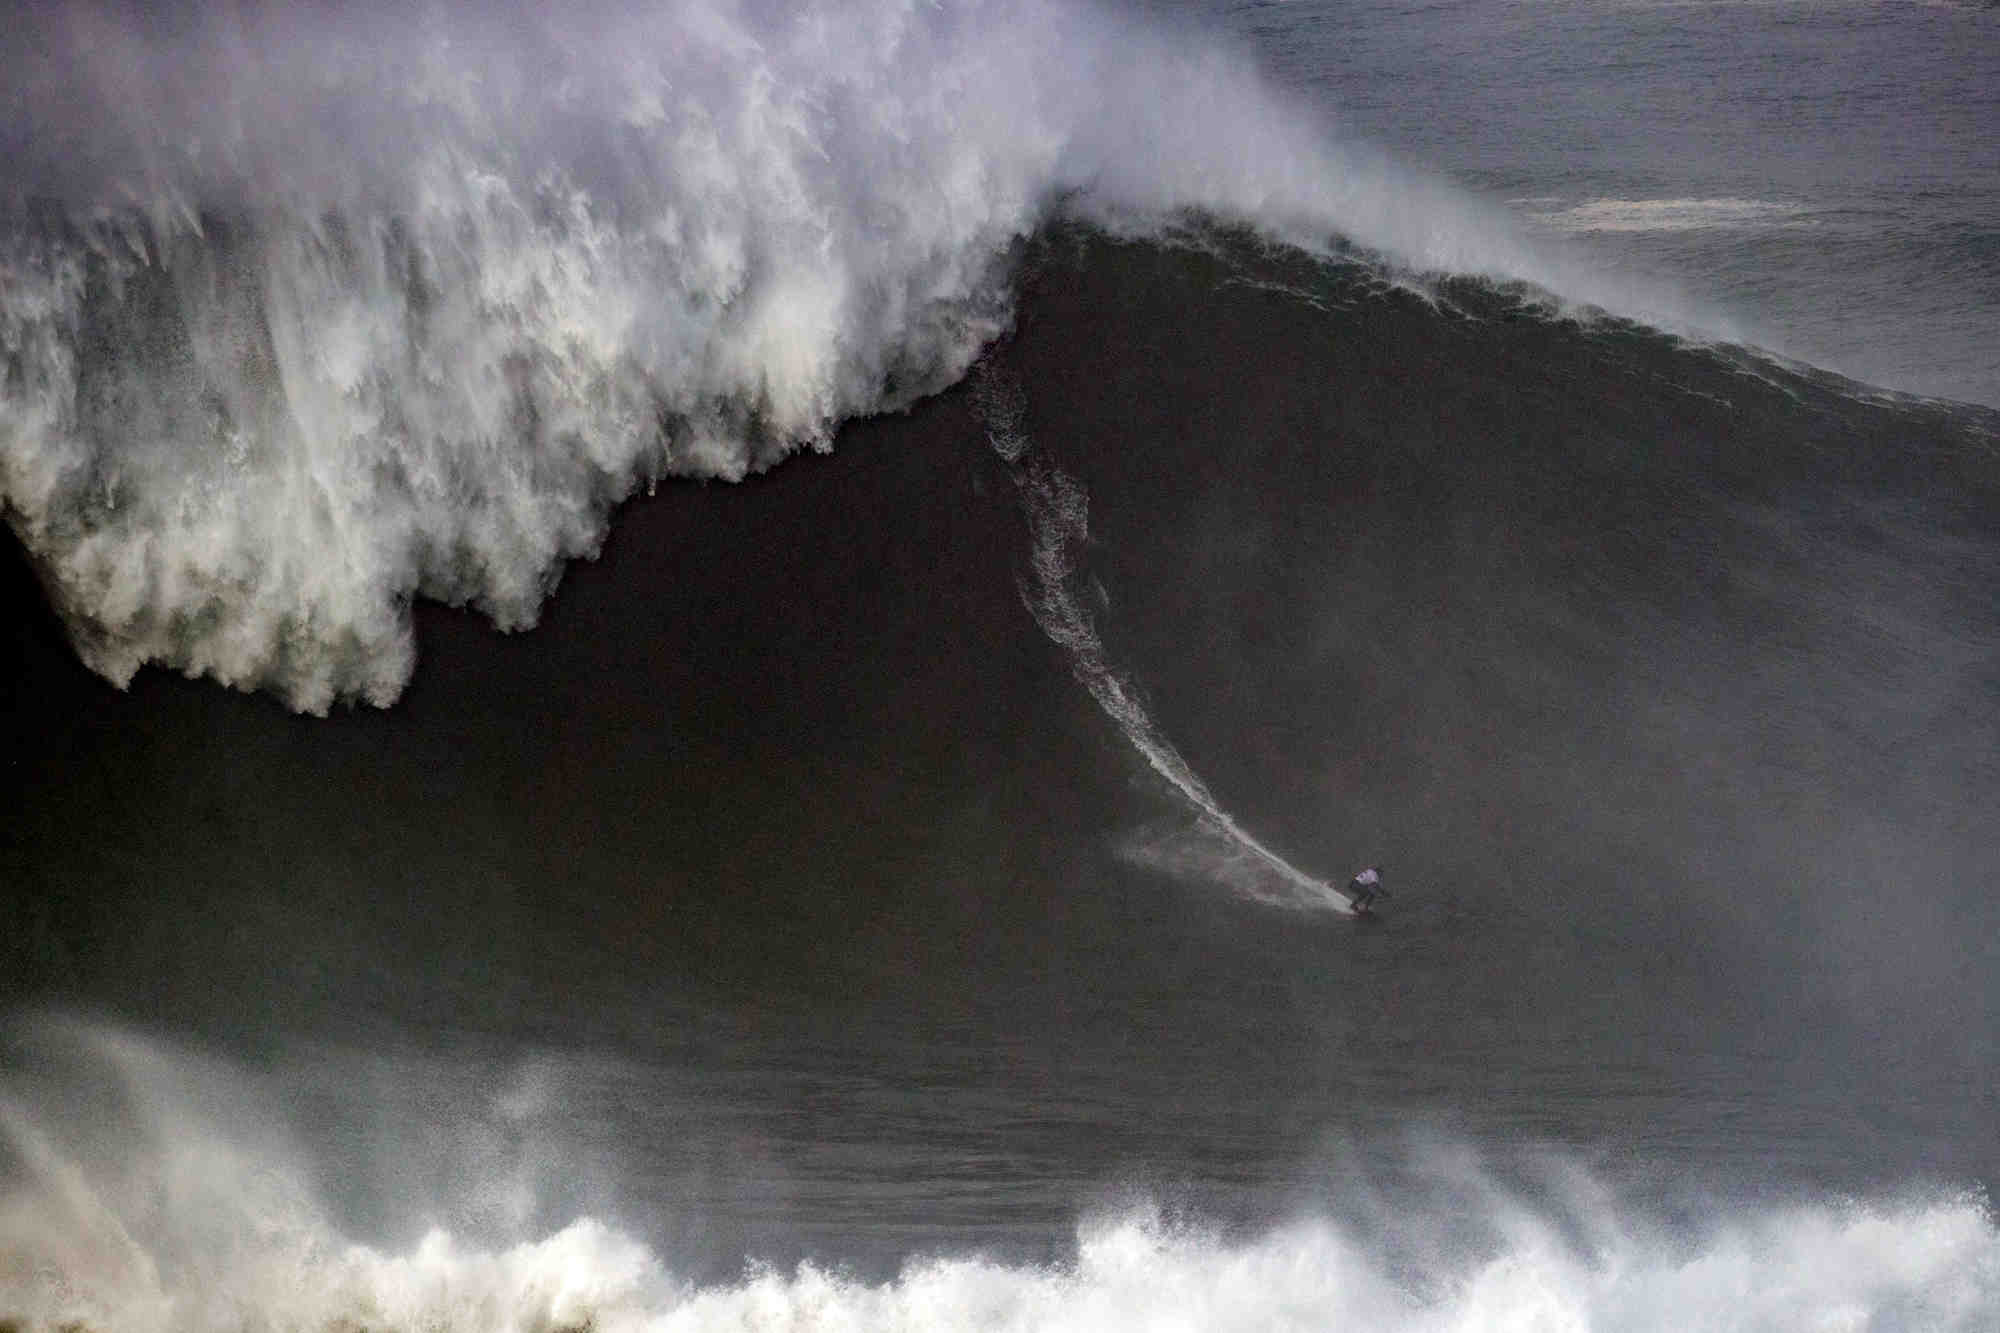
(310, 313)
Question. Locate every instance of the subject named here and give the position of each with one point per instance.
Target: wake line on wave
(1058, 512)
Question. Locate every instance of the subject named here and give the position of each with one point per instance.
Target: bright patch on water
(1651, 215)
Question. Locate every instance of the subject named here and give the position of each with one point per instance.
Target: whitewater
(306, 315)
(1666, 667)
(1928, 1265)
(190, 1208)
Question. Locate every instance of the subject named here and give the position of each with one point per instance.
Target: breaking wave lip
(190, 1213)
(305, 314)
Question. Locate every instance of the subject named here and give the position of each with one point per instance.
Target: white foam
(303, 316)
(1928, 1266)
(184, 1218)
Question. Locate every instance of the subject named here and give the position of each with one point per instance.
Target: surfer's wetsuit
(1365, 888)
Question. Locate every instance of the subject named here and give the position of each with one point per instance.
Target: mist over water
(185, 1208)
(1142, 503)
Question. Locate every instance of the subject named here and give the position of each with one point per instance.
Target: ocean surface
(719, 666)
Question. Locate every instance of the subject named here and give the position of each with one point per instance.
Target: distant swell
(307, 314)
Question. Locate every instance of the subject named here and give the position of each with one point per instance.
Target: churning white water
(173, 1206)
(304, 315)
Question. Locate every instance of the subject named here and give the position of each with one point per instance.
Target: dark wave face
(898, 881)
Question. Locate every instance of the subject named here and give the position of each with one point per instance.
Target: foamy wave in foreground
(149, 1190)
(1930, 1266)
(309, 311)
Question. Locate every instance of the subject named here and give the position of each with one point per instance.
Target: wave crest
(1932, 1265)
(145, 1187)
(306, 312)
(248, 419)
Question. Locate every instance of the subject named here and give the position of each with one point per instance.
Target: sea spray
(178, 1215)
(306, 314)
(495, 283)
(1929, 1266)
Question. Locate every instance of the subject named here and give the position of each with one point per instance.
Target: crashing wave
(305, 314)
(151, 1189)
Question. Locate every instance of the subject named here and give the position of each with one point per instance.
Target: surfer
(1365, 888)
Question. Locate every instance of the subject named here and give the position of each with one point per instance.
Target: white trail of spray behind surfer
(1058, 511)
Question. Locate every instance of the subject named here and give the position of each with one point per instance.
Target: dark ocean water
(1822, 179)
(898, 887)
